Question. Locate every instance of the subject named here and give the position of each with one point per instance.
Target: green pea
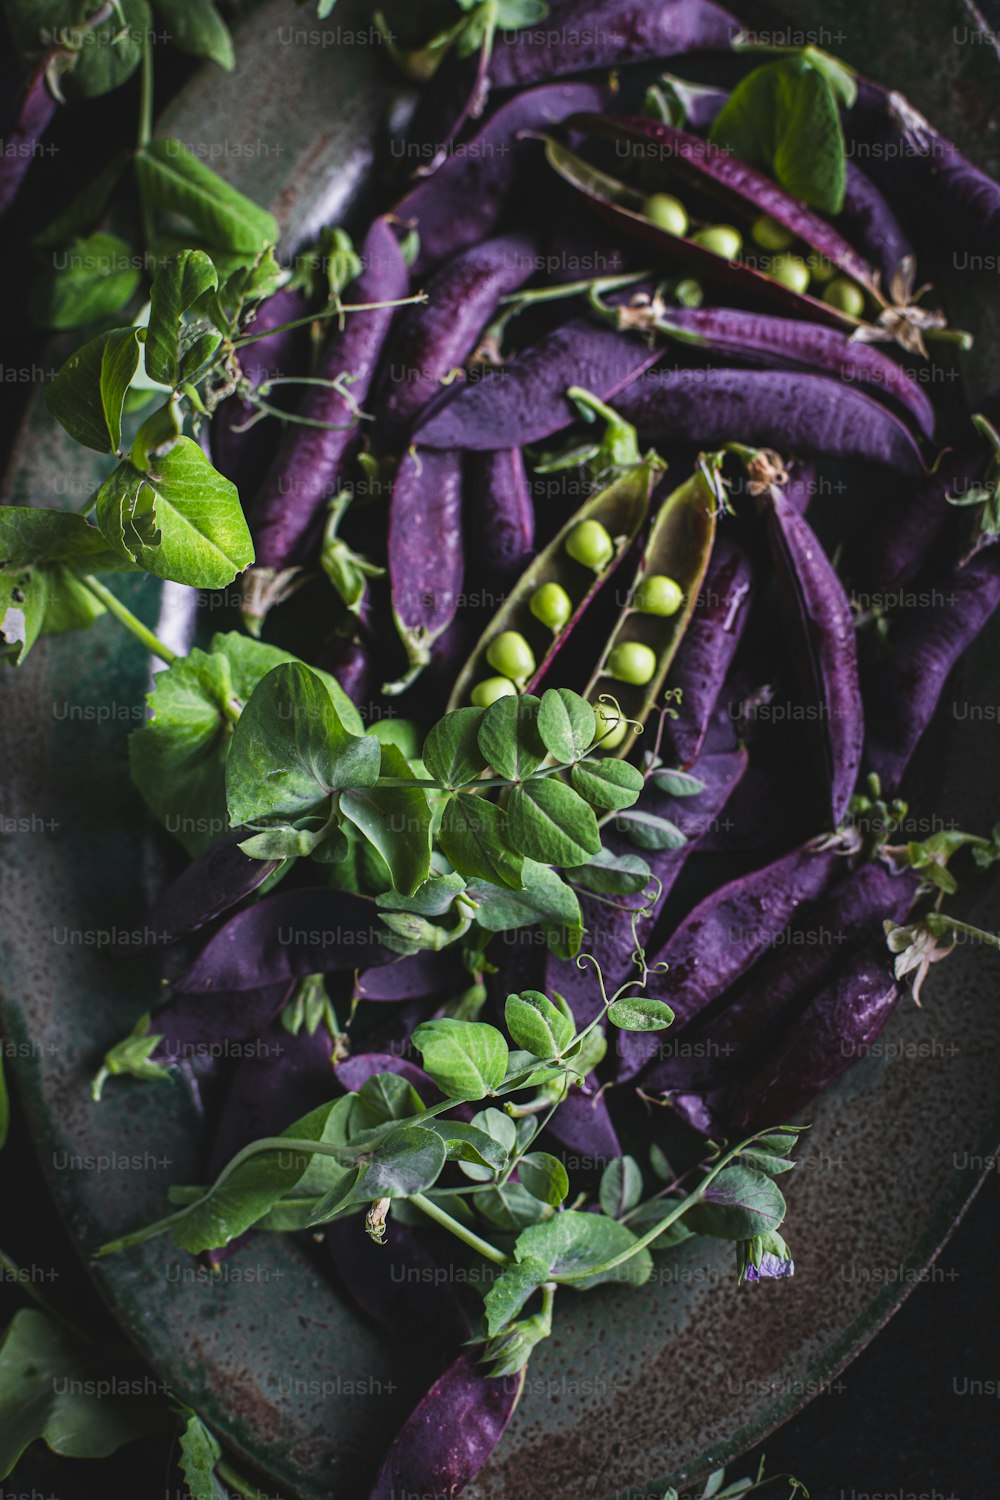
(609, 738)
(790, 270)
(511, 655)
(490, 689)
(632, 662)
(589, 543)
(666, 211)
(689, 293)
(820, 269)
(552, 605)
(845, 296)
(658, 595)
(770, 235)
(721, 239)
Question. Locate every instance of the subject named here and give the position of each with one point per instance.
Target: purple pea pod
(436, 339)
(410, 978)
(609, 928)
(908, 528)
(213, 882)
(242, 456)
(835, 1031)
(723, 936)
(33, 115)
(869, 222)
(289, 512)
(288, 934)
(448, 1437)
(609, 34)
(805, 959)
(526, 400)
(807, 346)
(499, 515)
(398, 1283)
(786, 410)
(902, 688)
(464, 200)
(196, 1025)
(708, 648)
(827, 655)
(583, 1128)
(426, 555)
(959, 204)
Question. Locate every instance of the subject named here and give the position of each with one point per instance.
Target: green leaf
(91, 279)
(199, 1454)
(182, 520)
(544, 1176)
(234, 1205)
(783, 118)
(386, 1096)
(511, 1291)
(175, 289)
(573, 1242)
(608, 785)
(396, 820)
(112, 52)
(88, 394)
(544, 898)
(764, 1161)
(431, 899)
(511, 1207)
(196, 27)
(178, 758)
(290, 749)
(647, 831)
(538, 1025)
(509, 737)
(466, 1059)
(451, 750)
(637, 1013)
(409, 1160)
(47, 1391)
(566, 723)
(131, 1056)
(473, 836)
(610, 874)
(468, 1143)
(174, 180)
(738, 1204)
(621, 1186)
(677, 783)
(550, 823)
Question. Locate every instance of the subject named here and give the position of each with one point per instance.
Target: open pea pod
(677, 553)
(620, 509)
(621, 205)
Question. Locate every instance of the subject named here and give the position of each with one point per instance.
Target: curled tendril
(620, 717)
(588, 958)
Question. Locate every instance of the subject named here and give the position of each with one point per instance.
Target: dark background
(898, 1425)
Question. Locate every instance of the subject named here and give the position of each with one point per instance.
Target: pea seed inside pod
(667, 212)
(688, 293)
(490, 689)
(721, 239)
(590, 544)
(820, 269)
(632, 662)
(845, 296)
(658, 595)
(511, 655)
(770, 235)
(790, 270)
(552, 605)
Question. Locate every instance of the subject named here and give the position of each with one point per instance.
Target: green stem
(145, 129)
(236, 1482)
(467, 1236)
(125, 617)
(348, 307)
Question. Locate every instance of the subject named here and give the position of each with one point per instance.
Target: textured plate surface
(635, 1389)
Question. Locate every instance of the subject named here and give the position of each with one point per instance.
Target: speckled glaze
(637, 1389)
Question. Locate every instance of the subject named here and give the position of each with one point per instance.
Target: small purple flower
(771, 1268)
